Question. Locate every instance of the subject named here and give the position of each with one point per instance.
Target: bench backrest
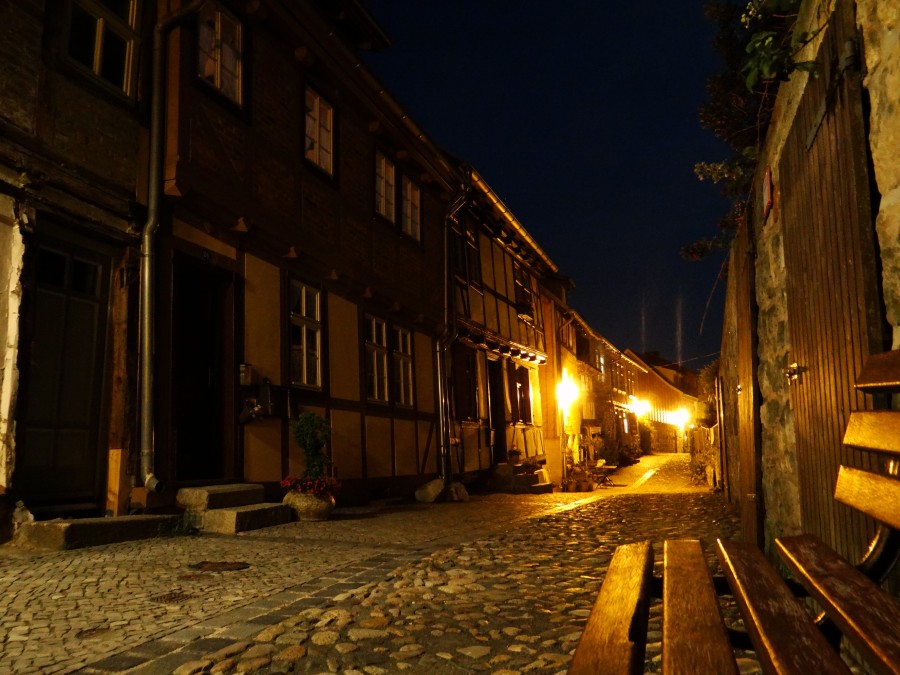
(876, 494)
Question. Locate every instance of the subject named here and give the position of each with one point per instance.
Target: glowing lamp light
(566, 391)
(639, 407)
(680, 417)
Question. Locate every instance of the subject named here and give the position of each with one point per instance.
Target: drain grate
(219, 566)
(173, 598)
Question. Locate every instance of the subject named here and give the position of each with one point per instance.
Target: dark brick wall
(251, 164)
(20, 53)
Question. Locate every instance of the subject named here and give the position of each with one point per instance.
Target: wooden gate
(748, 425)
(834, 309)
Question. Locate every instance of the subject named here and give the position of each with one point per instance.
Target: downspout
(446, 338)
(154, 198)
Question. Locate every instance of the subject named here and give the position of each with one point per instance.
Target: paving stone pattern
(502, 583)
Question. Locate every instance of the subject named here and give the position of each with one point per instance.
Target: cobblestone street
(501, 583)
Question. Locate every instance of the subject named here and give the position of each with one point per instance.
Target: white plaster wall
(11, 250)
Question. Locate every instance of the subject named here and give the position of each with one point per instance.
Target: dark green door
(59, 457)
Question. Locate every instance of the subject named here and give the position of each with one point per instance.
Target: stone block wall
(879, 22)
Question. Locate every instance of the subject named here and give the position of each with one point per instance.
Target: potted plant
(312, 494)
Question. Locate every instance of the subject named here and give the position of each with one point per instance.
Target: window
(466, 258)
(403, 367)
(519, 380)
(385, 187)
(319, 131)
(306, 335)
(103, 39)
(219, 39)
(411, 215)
(376, 360)
(524, 293)
(465, 383)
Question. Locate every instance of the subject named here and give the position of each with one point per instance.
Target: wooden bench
(782, 630)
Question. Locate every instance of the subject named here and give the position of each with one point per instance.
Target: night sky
(582, 116)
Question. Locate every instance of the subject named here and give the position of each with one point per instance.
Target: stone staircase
(509, 478)
(229, 509)
(220, 509)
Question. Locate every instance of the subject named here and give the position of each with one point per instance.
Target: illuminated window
(103, 40)
(385, 187)
(306, 335)
(219, 57)
(319, 131)
(411, 214)
(376, 359)
(403, 367)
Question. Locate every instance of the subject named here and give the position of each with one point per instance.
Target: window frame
(105, 18)
(385, 187)
(215, 57)
(314, 150)
(376, 346)
(403, 383)
(305, 324)
(410, 208)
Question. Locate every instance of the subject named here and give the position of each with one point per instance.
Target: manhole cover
(219, 566)
(172, 598)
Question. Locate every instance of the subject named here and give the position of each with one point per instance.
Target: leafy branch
(759, 45)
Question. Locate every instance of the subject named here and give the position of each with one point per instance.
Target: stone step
(198, 501)
(541, 488)
(219, 496)
(62, 534)
(234, 519)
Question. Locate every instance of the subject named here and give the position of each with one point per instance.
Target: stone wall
(879, 22)
(780, 484)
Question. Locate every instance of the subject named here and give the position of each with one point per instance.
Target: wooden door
(749, 486)
(60, 451)
(834, 310)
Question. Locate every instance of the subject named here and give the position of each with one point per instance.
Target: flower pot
(309, 507)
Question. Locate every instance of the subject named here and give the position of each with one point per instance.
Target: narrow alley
(501, 583)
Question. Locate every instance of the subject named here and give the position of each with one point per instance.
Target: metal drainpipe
(154, 198)
(448, 334)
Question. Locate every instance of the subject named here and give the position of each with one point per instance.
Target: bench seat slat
(876, 430)
(614, 638)
(783, 633)
(864, 612)
(694, 636)
(874, 494)
(881, 373)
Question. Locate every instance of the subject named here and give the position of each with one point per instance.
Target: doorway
(61, 455)
(497, 395)
(202, 370)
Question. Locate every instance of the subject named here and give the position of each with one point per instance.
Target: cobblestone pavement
(501, 583)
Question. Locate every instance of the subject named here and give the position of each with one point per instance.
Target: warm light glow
(638, 406)
(680, 417)
(566, 391)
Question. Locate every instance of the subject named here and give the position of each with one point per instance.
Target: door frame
(50, 233)
(170, 248)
